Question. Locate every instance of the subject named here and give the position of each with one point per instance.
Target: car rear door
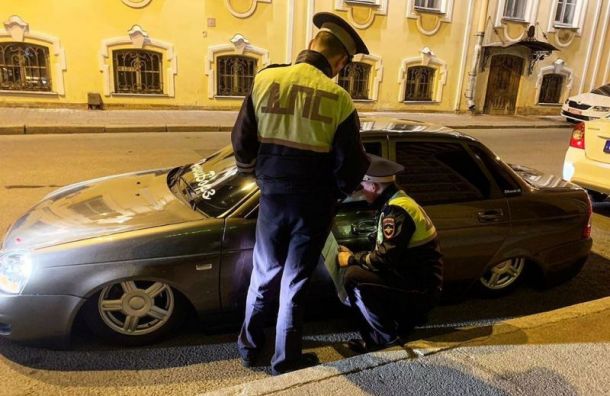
(452, 184)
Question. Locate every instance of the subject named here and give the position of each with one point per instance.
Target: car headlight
(605, 109)
(15, 271)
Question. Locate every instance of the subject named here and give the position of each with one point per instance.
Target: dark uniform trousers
(383, 309)
(290, 233)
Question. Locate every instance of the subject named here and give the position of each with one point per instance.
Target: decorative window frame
(137, 38)
(429, 59)
(579, 17)
(531, 13)
(378, 7)
(16, 29)
(239, 46)
(375, 77)
(247, 13)
(445, 15)
(558, 67)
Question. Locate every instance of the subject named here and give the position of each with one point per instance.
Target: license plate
(607, 147)
(575, 111)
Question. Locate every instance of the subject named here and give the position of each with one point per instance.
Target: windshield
(603, 90)
(212, 185)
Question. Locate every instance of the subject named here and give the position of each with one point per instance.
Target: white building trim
(376, 73)
(444, 14)
(378, 7)
(558, 67)
(465, 46)
(600, 48)
(136, 3)
(290, 30)
(248, 12)
(426, 58)
(585, 69)
(137, 38)
(17, 30)
(239, 46)
(577, 23)
(529, 17)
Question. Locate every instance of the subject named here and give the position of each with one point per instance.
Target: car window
(373, 148)
(603, 90)
(501, 176)
(440, 172)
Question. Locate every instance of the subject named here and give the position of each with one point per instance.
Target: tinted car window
(373, 148)
(440, 172)
(603, 90)
(504, 180)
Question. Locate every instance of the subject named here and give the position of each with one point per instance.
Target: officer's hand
(343, 259)
(344, 249)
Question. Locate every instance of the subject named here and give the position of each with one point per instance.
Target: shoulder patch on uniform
(389, 227)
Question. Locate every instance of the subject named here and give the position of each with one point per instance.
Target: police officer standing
(392, 288)
(298, 132)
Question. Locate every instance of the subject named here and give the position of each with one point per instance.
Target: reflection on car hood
(105, 206)
(542, 180)
(592, 99)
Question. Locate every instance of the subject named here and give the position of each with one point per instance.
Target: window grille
(235, 75)
(354, 78)
(24, 67)
(550, 91)
(137, 71)
(565, 12)
(419, 83)
(428, 4)
(515, 9)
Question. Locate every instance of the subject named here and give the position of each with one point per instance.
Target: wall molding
(137, 38)
(136, 3)
(445, 15)
(380, 8)
(239, 45)
(16, 29)
(247, 13)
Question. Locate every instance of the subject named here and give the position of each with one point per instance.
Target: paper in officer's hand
(329, 253)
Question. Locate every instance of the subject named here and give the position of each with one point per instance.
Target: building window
(515, 9)
(420, 80)
(428, 5)
(566, 9)
(137, 71)
(235, 75)
(550, 90)
(24, 67)
(368, 2)
(354, 78)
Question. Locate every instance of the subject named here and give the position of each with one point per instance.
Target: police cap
(381, 170)
(339, 28)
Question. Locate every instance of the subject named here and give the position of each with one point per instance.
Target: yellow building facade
(488, 56)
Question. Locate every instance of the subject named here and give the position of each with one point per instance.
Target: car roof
(397, 127)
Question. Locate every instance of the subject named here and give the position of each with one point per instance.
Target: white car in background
(588, 106)
(587, 161)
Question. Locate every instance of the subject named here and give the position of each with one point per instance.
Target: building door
(503, 85)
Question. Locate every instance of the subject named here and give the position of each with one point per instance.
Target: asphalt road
(202, 359)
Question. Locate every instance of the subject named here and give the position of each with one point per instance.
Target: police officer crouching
(392, 287)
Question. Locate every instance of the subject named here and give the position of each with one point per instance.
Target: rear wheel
(134, 312)
(502, 277)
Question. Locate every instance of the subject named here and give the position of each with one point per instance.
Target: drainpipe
(478, 48)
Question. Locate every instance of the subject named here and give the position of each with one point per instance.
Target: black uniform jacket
(282, 165)
(411, 268)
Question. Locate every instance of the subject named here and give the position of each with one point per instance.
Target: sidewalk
(561, 352)
(18, 121)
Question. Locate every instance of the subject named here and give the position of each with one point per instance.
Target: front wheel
(134, 312)
(503, 277)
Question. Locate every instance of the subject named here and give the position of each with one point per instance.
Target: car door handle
(364, 227)
(490, 216)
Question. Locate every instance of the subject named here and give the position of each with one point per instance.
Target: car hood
(100, 207)
(592, 99)
(541, 180)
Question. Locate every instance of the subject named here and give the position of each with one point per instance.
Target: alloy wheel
(503, 274)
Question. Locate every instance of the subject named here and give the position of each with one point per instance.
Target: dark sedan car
(131, 252)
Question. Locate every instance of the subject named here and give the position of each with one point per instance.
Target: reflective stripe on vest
(298, 106)
(424, 229)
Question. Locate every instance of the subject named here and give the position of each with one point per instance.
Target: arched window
(354, 78)
(420, 81)
(137, 71)
(550, 90)
(24, 67)
(235, 75)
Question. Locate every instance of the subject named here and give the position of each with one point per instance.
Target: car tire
(597, 196)
(501, 278)
(134, 312)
